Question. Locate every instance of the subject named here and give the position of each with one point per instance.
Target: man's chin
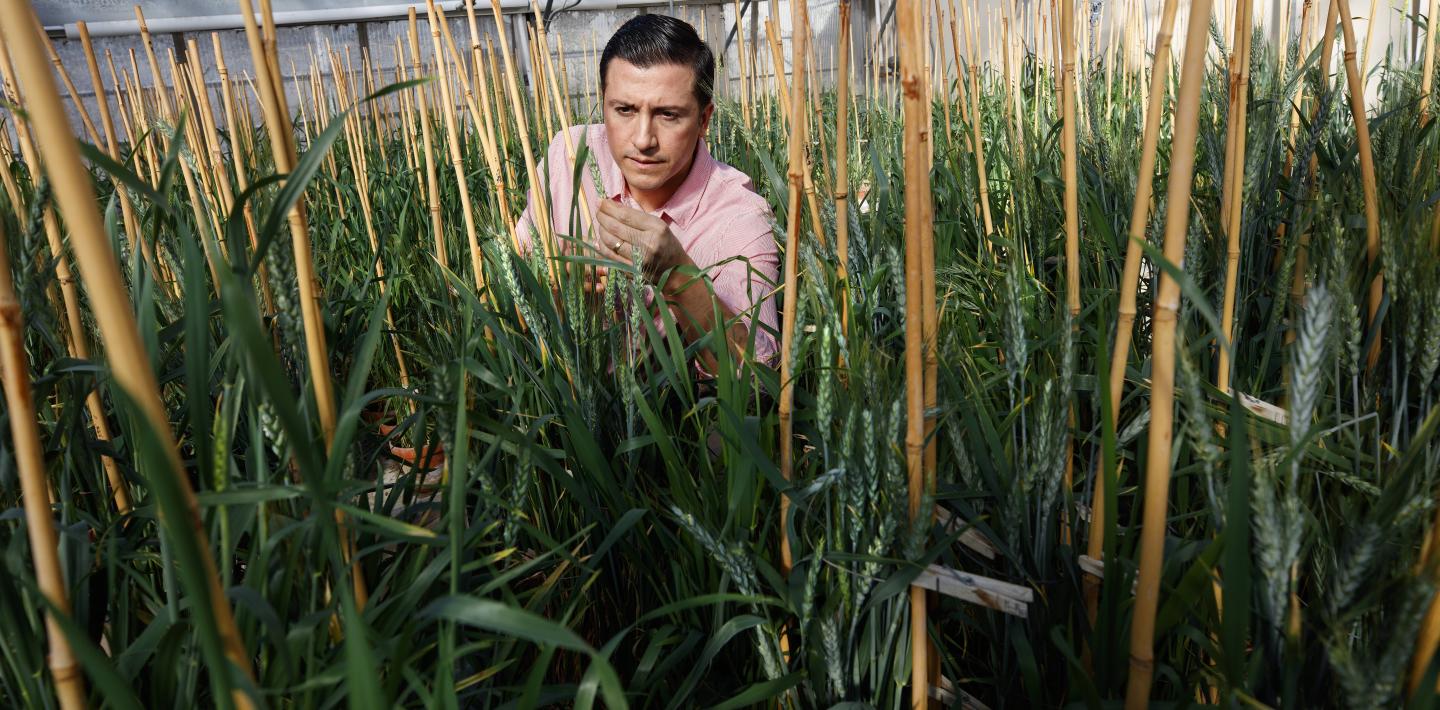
(643, 182)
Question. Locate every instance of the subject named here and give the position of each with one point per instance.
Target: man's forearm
(694, 306)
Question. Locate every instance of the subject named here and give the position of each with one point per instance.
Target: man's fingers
(636, 219)
(614, 231)
(606, 250)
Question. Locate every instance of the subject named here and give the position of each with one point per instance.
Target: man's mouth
(644, 163)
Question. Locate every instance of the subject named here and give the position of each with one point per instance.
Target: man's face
(653, 122)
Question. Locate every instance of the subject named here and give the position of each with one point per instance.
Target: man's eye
(624, 110)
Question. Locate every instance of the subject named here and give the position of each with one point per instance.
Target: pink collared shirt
(716, 214)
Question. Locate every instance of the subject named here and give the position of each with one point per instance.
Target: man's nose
(645, 138)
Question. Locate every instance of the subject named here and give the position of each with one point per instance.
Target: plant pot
(433, 455)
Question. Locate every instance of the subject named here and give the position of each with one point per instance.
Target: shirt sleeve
(747, 284)
(555, 172)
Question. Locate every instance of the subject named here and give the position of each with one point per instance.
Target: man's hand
(623, 232)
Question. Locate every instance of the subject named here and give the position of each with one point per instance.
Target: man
(695, 224)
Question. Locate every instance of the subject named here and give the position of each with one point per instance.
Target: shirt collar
(683, 205)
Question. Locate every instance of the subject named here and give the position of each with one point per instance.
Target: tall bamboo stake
(1130, 280)
(1302, 251)
(238, 152)
(1427, 68)
(562, 111)
(917, 233)
(149, 140)
(1427, 88)
(1072, 222)
(432, 183)
(1162, 389)
(362, 177)
(107, 122)
(1367, 177)
(283, 149)
(70, 87)
(125, 352)
(741, 53)
(77, 340)
(979, 141)
(489, 141)
(7, 178)
(452, 136)
(29, 459)
(197, 210)
(1231, 192)
(793, 219)
(842, 166)
(542, 208)
(166, 106)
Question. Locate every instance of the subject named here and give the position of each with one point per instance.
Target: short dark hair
(648, 40)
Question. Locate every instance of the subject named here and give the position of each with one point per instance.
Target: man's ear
(705, 115)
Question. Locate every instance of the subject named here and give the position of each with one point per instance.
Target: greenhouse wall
(582, 33)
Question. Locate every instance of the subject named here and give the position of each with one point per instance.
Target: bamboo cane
(77, 340)
(121, 89)
(406, 115)
(237, 159)
(979, 141)
(362, 177)
(1302, 252)
(965, 114)
(126, 354)
(541, 192)
(70, 87)
(941, 63)
(283, 148)
(559, 108)
(917, 198)
(457, 161)
(1072, 222)
(1072, 190)
(1232, 206)
(218, 175)
(1367, 177)
(7, 178)
(929, 327)
(568, 113)
(503, 114)
(1130, 280)
(787, 100)
(842, 166)
(112, 148)
(1162, 397)
(1427, 68)
(151, 140)
(166, 106)
(197, 210)
(793, 220)
(29, 460)
(1369, 38)
(432, 183)
(537, 82)
(493, 159)
(1013, 108)
(741, 53)
(1427, 90)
